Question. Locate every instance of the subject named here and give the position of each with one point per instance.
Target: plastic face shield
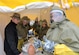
(56, 16)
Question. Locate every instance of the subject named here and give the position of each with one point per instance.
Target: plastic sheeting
(33, 5)
(62, 49)
(18, 5)
(15, 3)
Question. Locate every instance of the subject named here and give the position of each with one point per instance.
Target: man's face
(43, 24)
(16, 20)
(25, 22)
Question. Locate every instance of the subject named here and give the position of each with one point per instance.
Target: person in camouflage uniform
(36, 26)
(22, 29)
(43, 29)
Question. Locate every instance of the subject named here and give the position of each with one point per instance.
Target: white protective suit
(64, 32)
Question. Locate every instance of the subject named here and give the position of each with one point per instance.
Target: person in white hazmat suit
(62, 30)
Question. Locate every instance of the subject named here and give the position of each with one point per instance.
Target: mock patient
(32, 47)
